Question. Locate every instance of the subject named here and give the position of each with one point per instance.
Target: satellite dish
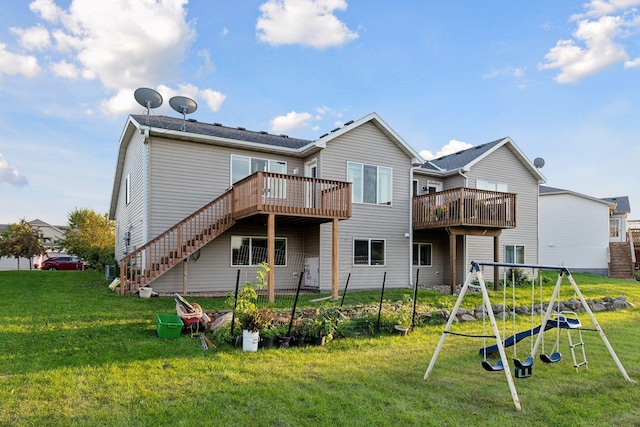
(148, 98)
(183, 105)
(538, 162)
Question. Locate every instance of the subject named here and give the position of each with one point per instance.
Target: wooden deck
(464, 207)
(286, 196)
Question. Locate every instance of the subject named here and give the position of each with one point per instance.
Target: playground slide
(563, 323)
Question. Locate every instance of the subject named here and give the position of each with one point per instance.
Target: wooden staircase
(156, 257)
(297, 199)
(620, 261)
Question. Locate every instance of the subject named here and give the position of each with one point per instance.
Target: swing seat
(523, 369)
(553, 358)
(493, 368)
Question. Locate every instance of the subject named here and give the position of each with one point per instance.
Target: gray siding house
(197, 208)
(482, 205)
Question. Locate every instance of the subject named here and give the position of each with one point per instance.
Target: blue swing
(493, 368)
(552, 358)
(523, 369)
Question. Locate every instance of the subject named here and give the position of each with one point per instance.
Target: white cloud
(213, 98)
(452, 146)
(9, 174)
(207, 65)
(632, 64)
(306, 22)
(34, 38)
(597, 8)
(11, 63)
(123, 44)
(47, 10)
(290, 121)
(65, 69)
(596, 43)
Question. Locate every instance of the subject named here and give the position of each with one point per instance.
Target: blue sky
(561, 78)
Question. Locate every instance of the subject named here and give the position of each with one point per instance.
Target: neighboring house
(215, 201)
(618, 221)
(585, 233)
(490, 194)
(50, 235)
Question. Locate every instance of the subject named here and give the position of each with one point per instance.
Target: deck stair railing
(260, 193)
(159, 255)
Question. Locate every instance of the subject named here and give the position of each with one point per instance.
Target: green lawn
(73, 352)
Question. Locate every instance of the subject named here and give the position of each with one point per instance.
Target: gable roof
(217, 130)
(377, 121)
(217, 134)
(544, 190)
(622, 204)
(465, 159)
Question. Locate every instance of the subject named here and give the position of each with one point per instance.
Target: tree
(90, 236)
(20, 241)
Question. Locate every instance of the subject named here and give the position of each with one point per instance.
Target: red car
(61, 263)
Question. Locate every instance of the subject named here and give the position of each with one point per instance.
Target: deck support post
(185, 270)
(496, 258)
(271, 257)
(334, 259)
(452, 260)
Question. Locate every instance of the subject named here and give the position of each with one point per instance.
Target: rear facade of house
(194, 208)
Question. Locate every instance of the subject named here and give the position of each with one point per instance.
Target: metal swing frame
(562, 272)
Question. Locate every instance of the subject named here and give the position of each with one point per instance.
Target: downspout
(146, 189)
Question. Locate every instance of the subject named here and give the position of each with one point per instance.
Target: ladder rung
(576, 345)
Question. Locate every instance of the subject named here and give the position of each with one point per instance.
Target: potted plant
(300, 330)
(251, 319)
(403, 321)
(323, 327)
(439, 212)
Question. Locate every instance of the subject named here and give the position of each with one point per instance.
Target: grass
(74, 353)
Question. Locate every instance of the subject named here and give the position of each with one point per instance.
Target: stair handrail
(169, 248)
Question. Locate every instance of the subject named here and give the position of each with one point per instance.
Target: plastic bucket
(250, 340)
(145, 292)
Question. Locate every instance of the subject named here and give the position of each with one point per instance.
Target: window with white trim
(247, 250)
(243, 166)
(491, 186)
(371, 184)
(514, 254)
(614, 227)
(368, 251)
(422, 254)
(127, 189)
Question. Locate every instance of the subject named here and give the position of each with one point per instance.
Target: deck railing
(262, 192)
(268, 192)
(464, 207)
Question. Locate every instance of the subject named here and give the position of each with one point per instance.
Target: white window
(514, 254)
(491, 186)
(253, 250)
(614, 227)
(243, 166)
(127, 189)
(368, 251)
(422, 254)
(371, 184)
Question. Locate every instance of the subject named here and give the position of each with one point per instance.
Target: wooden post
(184, 276)
(452, 260)
(271, 257)
(334, 259)
(496, 258)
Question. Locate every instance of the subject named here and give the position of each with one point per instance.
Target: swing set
(552, 317)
